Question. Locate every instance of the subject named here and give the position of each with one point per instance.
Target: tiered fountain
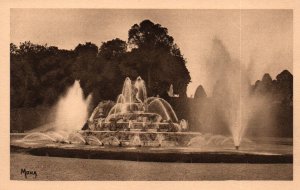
(136, 119)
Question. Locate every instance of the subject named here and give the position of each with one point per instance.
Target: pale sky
(263, 38)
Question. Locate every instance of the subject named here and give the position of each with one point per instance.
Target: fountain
(134, 120)
(136, 117)
(70, 115)
(138, 127)
(72, 109)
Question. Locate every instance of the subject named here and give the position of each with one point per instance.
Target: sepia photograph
(151, 94)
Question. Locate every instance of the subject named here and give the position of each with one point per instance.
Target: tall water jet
(229, 90)
(127, 91)
(72, 109)
(140, 86)
(233, 103)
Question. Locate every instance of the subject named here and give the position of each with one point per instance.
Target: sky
(259, 39)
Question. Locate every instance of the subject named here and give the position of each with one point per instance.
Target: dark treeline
(40, 74)
(280, 91)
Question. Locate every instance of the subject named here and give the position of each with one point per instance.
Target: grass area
(54, 168)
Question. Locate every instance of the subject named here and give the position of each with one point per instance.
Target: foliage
(40, 74)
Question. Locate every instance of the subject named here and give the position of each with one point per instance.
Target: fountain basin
(213, 154)
(159, 155)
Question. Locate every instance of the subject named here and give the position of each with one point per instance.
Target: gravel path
(55, 168)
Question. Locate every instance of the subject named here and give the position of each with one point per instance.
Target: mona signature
(28, 173)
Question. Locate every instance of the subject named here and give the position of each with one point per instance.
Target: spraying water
(134, 99)
(232, 104)
(72, 109)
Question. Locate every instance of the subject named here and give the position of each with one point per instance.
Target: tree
(85, 58)
(158, 59)
(39, 74)
(200, 92)
(13, 49)
(264, 86)
(148, 35)
(113, 49)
